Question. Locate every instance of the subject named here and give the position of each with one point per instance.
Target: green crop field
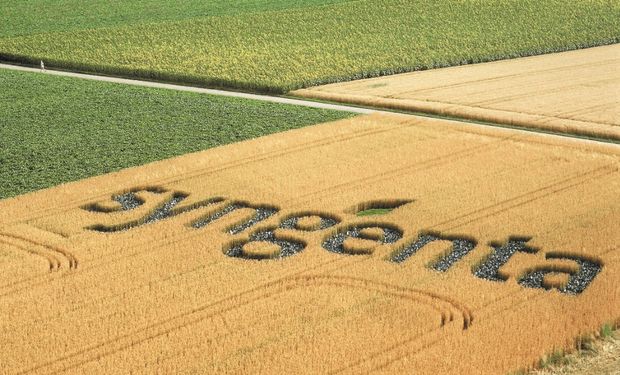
(40, 16)
(55, 129)
(277, 46)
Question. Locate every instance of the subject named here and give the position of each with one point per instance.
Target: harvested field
(500, 247)
(575, 92)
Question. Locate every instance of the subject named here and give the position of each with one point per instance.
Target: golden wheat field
(500, 247)
(575, 92)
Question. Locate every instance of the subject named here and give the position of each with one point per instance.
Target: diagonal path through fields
(135, 82)
(320, 94)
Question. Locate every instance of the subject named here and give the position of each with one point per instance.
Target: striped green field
(281, 45)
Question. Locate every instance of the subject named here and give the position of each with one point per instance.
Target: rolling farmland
(277, 47)
(170, 267)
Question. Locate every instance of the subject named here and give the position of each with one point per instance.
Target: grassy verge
(56, 129)
(282, 47)
(597, 354)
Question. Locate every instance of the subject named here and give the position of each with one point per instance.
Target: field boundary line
(200, 90)
(203, 171)
(339, 104)
(531, 123)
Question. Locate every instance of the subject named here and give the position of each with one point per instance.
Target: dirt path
(268, 98)
(576, 92)
(135, 82)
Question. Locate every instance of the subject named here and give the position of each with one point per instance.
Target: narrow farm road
(285, 100)
(267, 98)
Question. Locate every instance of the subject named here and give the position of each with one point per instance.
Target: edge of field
(240, 86)
(558, 131)
(479, 115)
(594, 354)
(527, 121)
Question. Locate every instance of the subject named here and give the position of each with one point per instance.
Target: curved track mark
(446, 307)
(56, 259)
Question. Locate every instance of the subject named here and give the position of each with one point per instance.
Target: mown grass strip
(286, 49)
(57, 129)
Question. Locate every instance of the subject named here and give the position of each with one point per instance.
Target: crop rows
(485, 266)
(282, 50)
(56, 129)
